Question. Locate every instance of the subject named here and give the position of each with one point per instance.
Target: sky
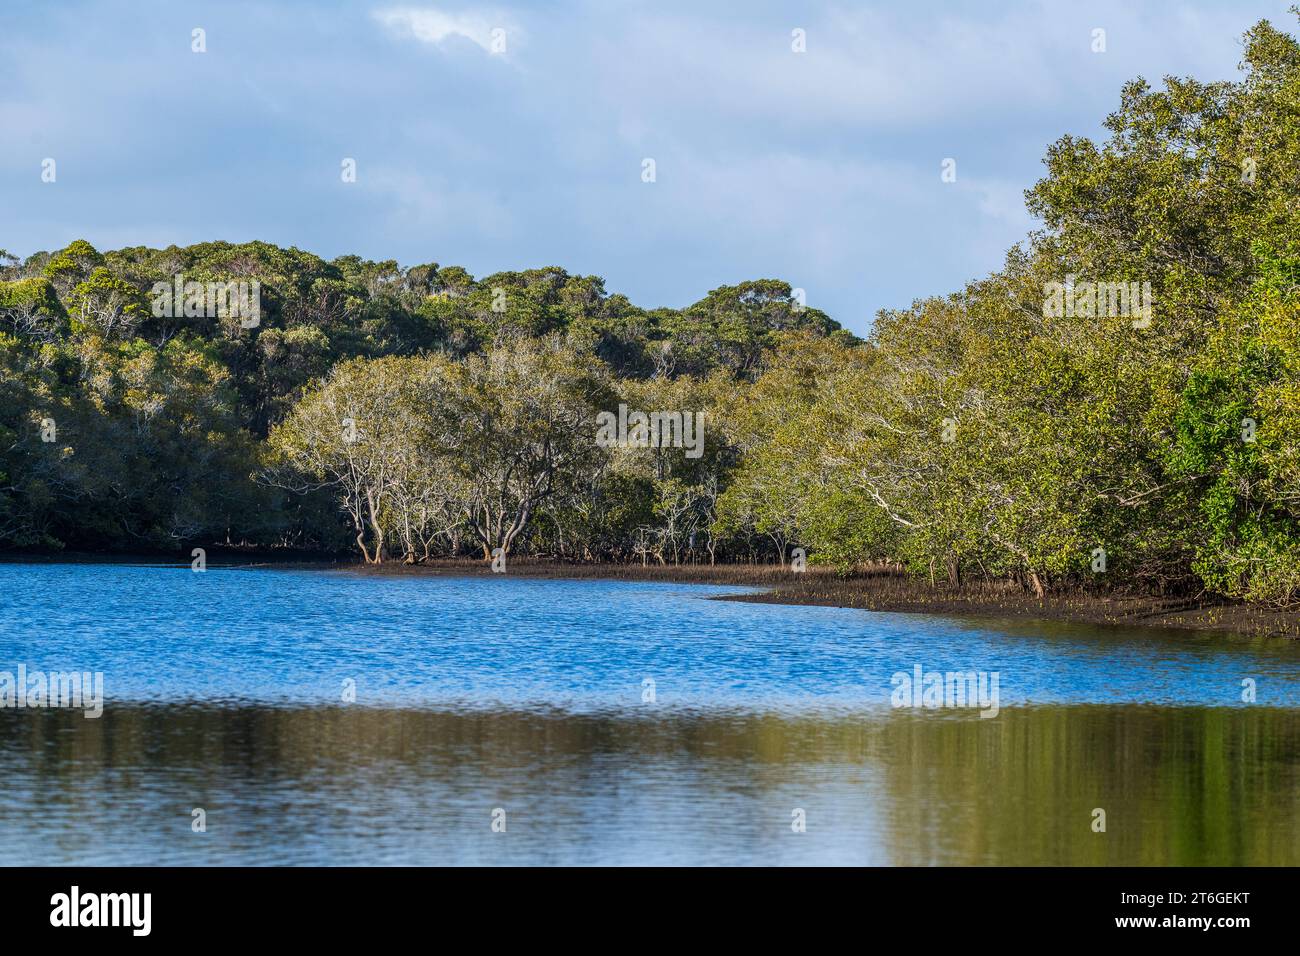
(514, 136)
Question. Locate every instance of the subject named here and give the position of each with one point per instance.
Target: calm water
(231, 691)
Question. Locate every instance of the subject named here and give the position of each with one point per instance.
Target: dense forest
(1150, 440)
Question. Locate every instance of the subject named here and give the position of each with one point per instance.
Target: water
(225, 691)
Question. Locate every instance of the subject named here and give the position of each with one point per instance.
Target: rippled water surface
(617, 722)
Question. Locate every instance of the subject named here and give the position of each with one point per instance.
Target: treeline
(1150, 439)
(132, 417)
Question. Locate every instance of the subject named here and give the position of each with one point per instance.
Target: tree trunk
(377, 531)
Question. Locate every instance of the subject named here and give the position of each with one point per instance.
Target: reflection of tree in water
(1179, 785)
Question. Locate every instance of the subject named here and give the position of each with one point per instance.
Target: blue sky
(821, 168)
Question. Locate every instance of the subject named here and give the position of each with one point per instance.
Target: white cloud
(434, 26)
(439, 207)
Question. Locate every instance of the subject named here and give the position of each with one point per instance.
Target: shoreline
(896, 593)
(882, 591)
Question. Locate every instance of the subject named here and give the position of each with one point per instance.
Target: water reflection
(350, 785)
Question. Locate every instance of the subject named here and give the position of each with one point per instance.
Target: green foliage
(31, 307)
(162, 418)
(1235, 438)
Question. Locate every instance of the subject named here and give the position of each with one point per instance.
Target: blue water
(281, 637)
(225, 694)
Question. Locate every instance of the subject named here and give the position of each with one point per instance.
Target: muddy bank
(892, 592)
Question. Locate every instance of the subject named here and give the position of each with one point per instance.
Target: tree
(525, 411)
(349, 434)
(1236, 430)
